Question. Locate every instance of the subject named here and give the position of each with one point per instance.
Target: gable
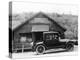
(41, 18)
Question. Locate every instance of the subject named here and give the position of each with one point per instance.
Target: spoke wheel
(70, 47)
(40, 49)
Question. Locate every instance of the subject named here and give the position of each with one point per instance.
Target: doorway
(37, 36)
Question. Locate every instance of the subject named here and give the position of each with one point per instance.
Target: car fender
(70, 42)
(64, 40)
(39, 43)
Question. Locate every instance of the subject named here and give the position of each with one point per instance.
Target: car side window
(51, 36)
(55, 36)
(48, 37)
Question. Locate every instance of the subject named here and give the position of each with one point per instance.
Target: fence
(21, 47)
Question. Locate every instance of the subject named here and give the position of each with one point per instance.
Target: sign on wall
(40, 28)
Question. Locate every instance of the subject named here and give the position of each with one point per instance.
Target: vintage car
(50, 40)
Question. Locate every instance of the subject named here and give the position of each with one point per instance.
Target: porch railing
(20, 46)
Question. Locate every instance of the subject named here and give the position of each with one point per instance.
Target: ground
(51, 52)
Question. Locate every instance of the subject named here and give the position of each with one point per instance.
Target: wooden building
(38, 23)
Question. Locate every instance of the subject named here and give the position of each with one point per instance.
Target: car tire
(40, 49)
(70, 46)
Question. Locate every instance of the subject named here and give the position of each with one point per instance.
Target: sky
(21, 7)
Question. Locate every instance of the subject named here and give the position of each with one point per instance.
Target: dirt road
(51, 52)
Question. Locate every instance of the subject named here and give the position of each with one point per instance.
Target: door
(51, 39)
(38, 36)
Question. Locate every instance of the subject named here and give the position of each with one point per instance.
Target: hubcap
(40, 49)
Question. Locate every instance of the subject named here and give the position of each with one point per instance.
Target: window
(23, 39)
(26, 37)
(49, 37)
(55, 37)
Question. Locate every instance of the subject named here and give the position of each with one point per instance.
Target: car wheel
(40, 49)
(70, 47)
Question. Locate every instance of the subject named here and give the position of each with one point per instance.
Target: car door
(51, 39)
(55, 39)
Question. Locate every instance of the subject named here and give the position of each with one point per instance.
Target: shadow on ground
(51, 52)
